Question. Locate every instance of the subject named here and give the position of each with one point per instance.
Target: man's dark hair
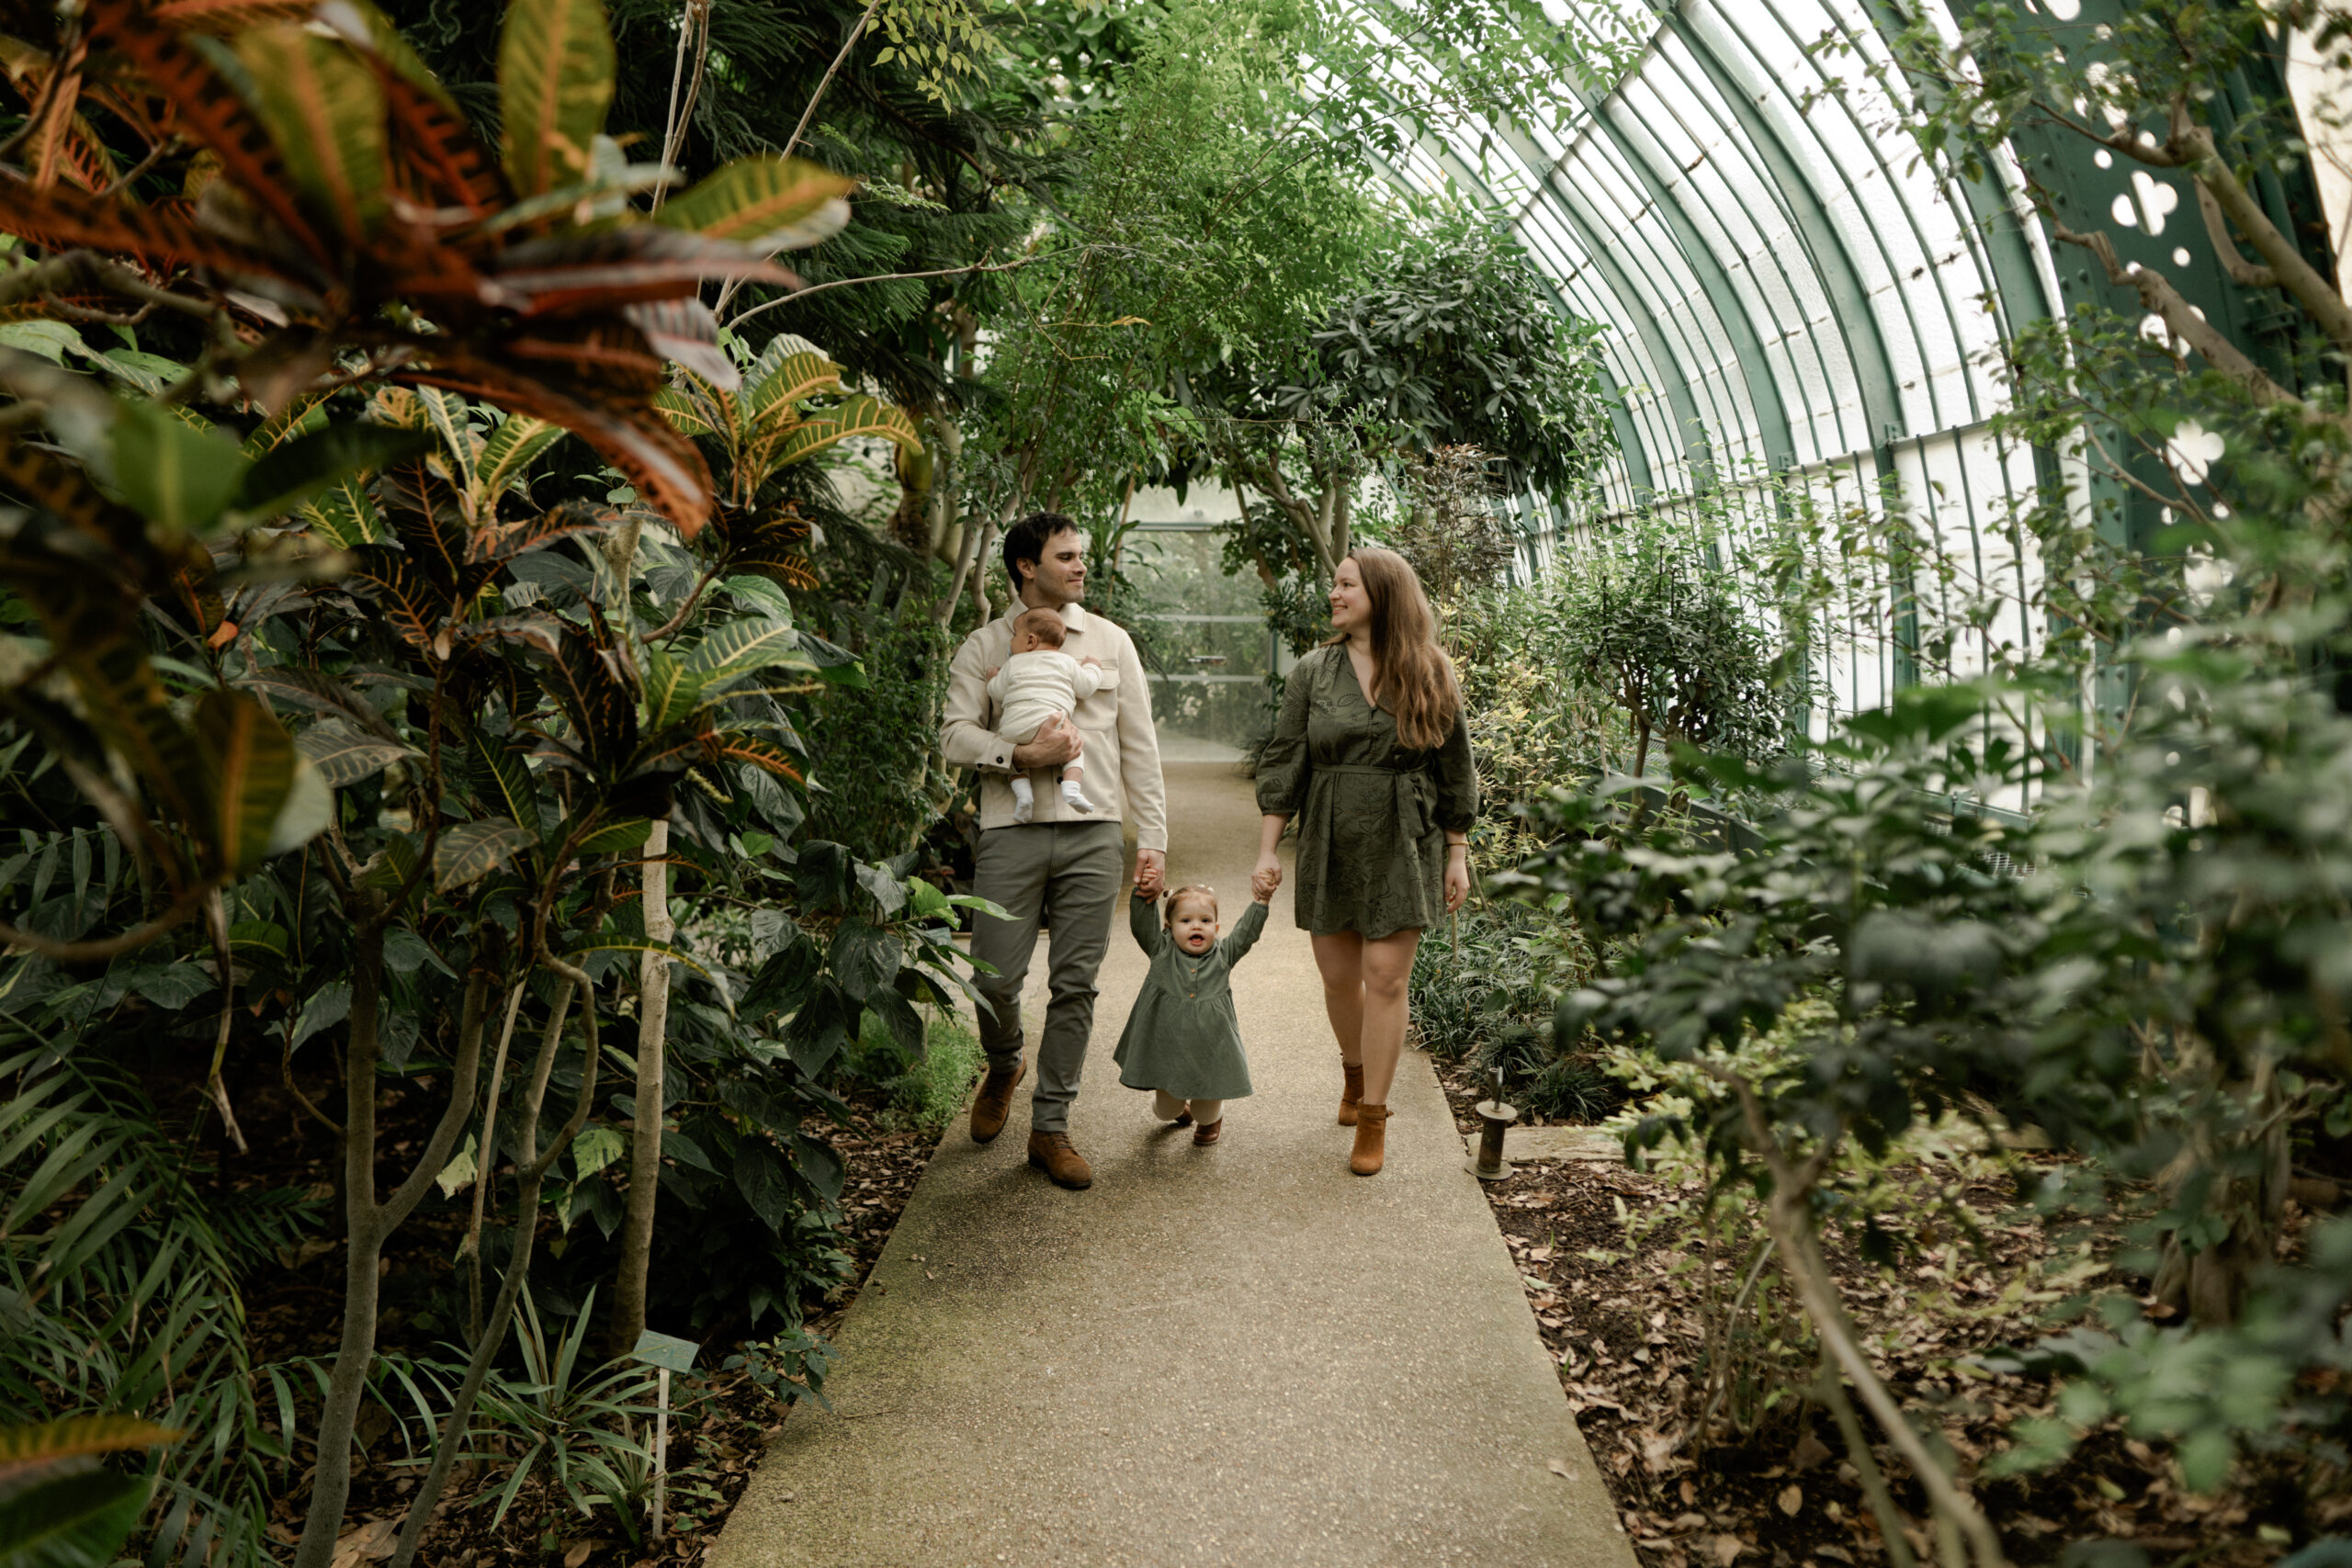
(1025, 541)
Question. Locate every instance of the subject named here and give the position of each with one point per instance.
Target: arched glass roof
(1798, 301)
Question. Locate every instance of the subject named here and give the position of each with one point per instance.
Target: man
(1063, 862)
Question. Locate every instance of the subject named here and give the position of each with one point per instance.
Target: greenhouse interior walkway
(1239, 1354)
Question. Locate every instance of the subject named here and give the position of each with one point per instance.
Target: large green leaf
(671, 688)
(77, 1437)
(471, 850)
(296, 469)
(71, 1521)
(774, 204)
(176, 476)
(507, 455)
(859, 415)
(344, 755)
(97, 639)
(769, 398)
(865, 958)
(555, 81)
(744, 646)
(683, 411)
(249, 762)
(506, 780)
(325, 110)
(345, 514)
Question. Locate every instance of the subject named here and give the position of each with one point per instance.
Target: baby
(1037, 683)
(1183, 1040)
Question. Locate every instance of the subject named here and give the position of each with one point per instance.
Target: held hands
(1266, 878)
(1151, 873)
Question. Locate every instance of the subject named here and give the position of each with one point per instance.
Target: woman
(1372, 750)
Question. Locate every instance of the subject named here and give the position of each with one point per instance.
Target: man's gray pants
(1069, 873)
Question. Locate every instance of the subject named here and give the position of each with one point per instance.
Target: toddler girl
(1037, 681)
(1183, 1040)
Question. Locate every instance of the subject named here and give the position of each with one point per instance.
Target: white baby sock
(1025, 799)
(1073, 797)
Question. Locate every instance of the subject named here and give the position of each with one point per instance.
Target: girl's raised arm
(1143, 919)
(1245, 932)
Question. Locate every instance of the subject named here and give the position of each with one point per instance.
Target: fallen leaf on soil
(1791, 1500)
(371, 1541)
(1727, 1549)
(579, 1552)
(1561, 1468)
(1811, 1450)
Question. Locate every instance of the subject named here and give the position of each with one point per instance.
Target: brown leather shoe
(994, 1102)
(1209, 1132)
(1350, 1094)
(1372, 1140)
(1051, 1153)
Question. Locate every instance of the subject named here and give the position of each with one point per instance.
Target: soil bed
(721, 1421)
(1621, 1319)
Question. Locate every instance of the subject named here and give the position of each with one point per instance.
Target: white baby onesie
(1032, 687)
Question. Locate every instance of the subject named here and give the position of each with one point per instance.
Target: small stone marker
(666, 1355)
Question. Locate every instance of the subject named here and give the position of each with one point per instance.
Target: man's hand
(1055, 743)
(1152, 872)
(1266, 877)
(989, 674)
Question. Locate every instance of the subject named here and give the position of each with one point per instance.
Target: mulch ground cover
(1625, 1320)
(721, 1421)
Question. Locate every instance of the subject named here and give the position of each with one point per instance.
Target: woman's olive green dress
(1372, 816)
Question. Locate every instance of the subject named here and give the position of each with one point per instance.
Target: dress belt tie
(1412, 809)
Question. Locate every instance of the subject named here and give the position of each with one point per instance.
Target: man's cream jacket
(1121, 757)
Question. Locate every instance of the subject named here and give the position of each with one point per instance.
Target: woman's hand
(1267, 877)
(1457, 876)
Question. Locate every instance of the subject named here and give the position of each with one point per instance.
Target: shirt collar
(1074, 615)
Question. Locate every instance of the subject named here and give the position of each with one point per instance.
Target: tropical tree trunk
(371, 1224)
(531, 1168)
(645, 1139)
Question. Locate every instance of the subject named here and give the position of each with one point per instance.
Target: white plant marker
(665, 1355)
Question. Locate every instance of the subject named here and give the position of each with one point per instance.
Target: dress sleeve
(1284, 767)
(1456, 776)
(1143, 919)
(1245, 932)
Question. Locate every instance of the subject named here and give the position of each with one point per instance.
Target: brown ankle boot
(1051, 1153)
(1353, 1092)
(1209, 1133)
(1372, 1140)
(994, 1102)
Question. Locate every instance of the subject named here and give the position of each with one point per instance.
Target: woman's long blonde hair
(1414, 676)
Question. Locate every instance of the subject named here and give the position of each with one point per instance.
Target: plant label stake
(665, 1355)
(1487, 1164)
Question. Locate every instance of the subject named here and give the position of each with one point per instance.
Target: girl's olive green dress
(1182, 1037)
(1372, 816)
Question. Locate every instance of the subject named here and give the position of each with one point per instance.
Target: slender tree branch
(217, 920)
(187, 904)
(802, 293)
(2225, 249)
(2302, 281)
(2163, 300)
(819, 95)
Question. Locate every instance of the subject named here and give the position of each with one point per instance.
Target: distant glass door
(1207, 643)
